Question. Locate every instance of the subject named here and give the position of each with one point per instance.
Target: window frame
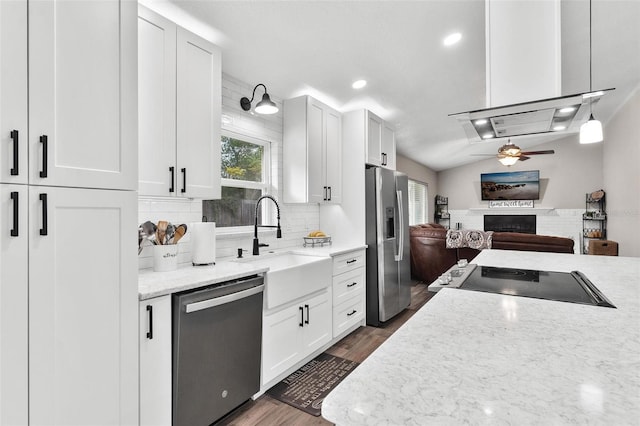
(426, 201)
(265, 185)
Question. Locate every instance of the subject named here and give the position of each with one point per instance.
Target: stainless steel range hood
(564, 114)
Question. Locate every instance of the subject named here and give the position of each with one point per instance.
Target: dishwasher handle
(222, 300)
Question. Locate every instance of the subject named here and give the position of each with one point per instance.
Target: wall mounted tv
(510, 185)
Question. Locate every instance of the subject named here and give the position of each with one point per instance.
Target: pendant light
(591, 131)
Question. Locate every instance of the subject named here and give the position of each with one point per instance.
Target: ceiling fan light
(591, 131)
(266, 105)
(508, 161)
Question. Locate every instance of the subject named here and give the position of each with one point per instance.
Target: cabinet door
(13, 304)
(333, 155)
(374, 139)
(198, 116)
(82, 93)
(317, 322)
(281, 341)
(316, 180)
(155, 361)
(156, 104)
(13, 91)
(388, 147)
(83, 307)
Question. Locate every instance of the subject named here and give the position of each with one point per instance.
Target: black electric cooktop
(572, 287)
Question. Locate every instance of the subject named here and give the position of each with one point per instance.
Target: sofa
(430, 256)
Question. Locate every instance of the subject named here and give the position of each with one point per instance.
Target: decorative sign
(511, 204)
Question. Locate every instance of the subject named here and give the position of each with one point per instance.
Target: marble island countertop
(155, 284)
(469, 357)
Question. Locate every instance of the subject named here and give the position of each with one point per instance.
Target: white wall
(565, 177)
(417, 171)
(621, 164)
(296, 219)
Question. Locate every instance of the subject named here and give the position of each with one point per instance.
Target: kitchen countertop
(155, 284)
(469, 357)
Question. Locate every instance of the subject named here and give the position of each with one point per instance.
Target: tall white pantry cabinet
(68, 172)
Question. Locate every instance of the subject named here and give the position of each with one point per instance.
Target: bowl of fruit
(315, 238)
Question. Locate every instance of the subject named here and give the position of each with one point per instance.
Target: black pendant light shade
(265, 106)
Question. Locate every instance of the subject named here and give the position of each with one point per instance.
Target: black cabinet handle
(173, 178)
(44, 140)
(150, 313)
(43, 230)
(351, 261)
(301, 316)
(14, 230)
(352, 284)
(351, 313)
(329, 193)
(14, 137)
(184, 180)
(324, 188)
(307, 308)
(384, 158)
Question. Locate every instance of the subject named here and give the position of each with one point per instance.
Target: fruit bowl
(313, 241)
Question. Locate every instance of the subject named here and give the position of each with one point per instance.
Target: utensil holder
(165, 257)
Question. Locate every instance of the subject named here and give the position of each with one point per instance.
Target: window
(417, 202)
(245, 176)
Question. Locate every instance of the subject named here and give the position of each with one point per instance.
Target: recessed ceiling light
(567, 109)
(558, 128)
(487, 136)
(452, 39)
(359, 84)
(481, 121)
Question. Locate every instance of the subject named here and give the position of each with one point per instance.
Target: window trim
(426, 198)
(265, 185)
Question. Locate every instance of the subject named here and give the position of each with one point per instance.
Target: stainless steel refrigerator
(388, 264)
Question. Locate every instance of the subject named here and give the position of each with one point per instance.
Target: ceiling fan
(509, 154)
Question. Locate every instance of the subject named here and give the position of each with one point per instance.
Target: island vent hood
(564, 114)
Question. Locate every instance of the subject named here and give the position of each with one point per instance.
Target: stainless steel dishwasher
(217, 341)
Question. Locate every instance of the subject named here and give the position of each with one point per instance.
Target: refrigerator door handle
(400, 254)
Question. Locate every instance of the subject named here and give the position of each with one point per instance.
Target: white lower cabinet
(348, 291)
(83, 291)
(292, 333)
(155, 361)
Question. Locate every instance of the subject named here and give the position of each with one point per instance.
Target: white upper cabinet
(82, 93)
(180, 85)
(312, 152)
(388, 146)
(157, 103)
(13, 92)
(199, 112)
(378, 136)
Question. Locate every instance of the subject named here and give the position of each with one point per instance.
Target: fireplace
(525, 224)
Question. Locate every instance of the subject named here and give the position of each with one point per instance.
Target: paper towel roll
(203, 243)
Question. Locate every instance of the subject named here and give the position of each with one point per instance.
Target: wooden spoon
(180, 231)
(161, 231)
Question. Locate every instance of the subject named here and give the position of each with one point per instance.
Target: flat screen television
(510, 185)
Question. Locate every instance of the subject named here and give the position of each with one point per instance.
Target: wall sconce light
(265, 106)
(591, 131)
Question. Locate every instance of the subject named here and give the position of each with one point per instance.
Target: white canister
(203, 243)
(165, 257)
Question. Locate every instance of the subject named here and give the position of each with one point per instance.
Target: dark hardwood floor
(355, 347)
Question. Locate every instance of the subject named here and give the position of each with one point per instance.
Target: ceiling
(320, 47)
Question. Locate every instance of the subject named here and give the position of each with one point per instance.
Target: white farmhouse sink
(291, 276)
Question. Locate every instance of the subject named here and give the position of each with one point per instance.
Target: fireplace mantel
(510, 210)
